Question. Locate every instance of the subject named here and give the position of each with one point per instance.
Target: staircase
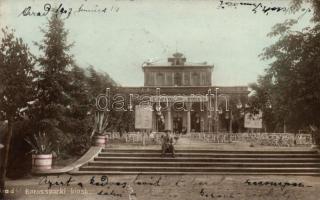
(149, 161)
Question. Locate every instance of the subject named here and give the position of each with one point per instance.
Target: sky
(131, 32)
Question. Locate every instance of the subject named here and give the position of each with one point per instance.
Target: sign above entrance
(143, 117)
(192, 98)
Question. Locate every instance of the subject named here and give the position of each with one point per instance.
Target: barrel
(41, 161)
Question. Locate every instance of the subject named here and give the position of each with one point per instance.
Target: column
(209, 117)
(188, 121)
(172, 74)
(169, 119)
(154, 122)
(189, 106)
(183, 81)
(230, 121)
(165, 78)
(155, 78)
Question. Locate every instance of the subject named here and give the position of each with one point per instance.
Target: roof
(174, 90)
(168, 64)
(177, 60)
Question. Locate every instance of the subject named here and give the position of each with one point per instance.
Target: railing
(136, 137)
(266, 139)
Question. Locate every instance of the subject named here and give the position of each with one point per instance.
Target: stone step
(201, 169)
(196, 159)
(212, 151)
(203, 161)
(203, 164)
(193, 173)
(209, 155)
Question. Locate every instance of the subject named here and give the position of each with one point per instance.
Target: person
(167, 145)
(152, 137)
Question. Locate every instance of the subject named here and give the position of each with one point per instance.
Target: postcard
(171, 99)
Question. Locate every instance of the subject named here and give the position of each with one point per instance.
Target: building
(183, 96)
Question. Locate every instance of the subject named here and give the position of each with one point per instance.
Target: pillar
(154, 121)
(189, 107)
(169, 119)
(230, 122)
(188, 121)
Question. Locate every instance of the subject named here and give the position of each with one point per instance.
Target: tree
(264, 98)
(296, 4)
(54, 83)
(16, 76)
(293, 75)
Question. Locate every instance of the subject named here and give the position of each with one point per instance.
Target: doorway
(177, 124)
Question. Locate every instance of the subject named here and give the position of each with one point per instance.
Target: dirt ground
(154, 187)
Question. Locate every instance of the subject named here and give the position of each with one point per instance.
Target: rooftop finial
(177, 59)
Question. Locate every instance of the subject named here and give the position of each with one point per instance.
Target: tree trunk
(5, 154)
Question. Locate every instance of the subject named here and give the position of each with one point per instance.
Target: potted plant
(41, 151)
(101, 121)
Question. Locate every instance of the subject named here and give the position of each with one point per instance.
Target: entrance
(196, 117)
(177, 124)
(195, 122)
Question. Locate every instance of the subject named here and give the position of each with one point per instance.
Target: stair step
(270, 155)
(199, 169)
(181, 159)
(193, 173)
(203, 161)
(202, 164)
(211, 151)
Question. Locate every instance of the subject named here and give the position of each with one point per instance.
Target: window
(186, 78)
(177, 79)
(149, 78)
(169, 79)
(195, 79)
(160, 79)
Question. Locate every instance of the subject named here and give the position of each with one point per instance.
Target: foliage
(53, 82)
(16, 75)
(40, 143)
(101, 121)
(262, 100)
(296, 4)
(289, 92)
(237, 105)
(65, 92)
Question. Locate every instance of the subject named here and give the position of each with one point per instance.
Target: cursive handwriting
(28, 11)
(153, 181)
(112, 193)
(65, 12)
(256, 7)
(280, 184)
(97, 9)
(104, 180)
(219, 195)
(58, 182)
(47, 8)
